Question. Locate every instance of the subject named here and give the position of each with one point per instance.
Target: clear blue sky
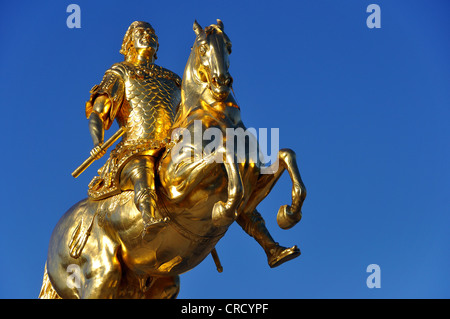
(366, 110)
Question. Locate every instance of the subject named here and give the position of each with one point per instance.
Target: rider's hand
(97, 152)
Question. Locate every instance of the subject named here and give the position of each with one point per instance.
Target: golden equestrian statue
(163, 200)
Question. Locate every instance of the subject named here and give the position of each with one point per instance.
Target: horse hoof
(287, 219)
(282, 254)
(220, 216)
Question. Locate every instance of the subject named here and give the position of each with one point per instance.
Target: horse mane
(213, 28)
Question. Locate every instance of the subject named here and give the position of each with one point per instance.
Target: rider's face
(145, 40)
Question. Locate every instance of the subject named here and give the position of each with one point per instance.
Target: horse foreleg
(224, 214)
(287, 215)
(253, 223)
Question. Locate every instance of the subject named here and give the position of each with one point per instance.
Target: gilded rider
(143, 98)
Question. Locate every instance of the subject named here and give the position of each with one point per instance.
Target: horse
(96, 249)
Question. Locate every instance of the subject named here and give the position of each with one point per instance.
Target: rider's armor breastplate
(148, 108)
(144, 101)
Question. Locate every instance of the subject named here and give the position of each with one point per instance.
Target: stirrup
(155, 222)
(152, 228)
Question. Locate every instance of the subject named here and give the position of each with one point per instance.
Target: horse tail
(47, 291)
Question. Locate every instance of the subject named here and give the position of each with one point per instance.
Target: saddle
(107, 183)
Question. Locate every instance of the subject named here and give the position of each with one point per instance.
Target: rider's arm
(105, 101)
(103, 105)
(97, 118)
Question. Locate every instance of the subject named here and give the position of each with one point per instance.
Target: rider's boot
(145, 201)
(254, 225)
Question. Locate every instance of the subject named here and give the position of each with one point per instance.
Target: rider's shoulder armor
(113, 86)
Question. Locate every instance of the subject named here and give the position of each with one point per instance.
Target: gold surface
(198, 199)
(100, 149)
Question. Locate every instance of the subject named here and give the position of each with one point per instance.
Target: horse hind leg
(102, 272)
(163, 288)
(98, 271)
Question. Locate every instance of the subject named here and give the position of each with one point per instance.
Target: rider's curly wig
(127, 43)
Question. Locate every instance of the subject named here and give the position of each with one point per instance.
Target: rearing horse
(200, 193)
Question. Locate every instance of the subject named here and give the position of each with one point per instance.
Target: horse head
(210, 59)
